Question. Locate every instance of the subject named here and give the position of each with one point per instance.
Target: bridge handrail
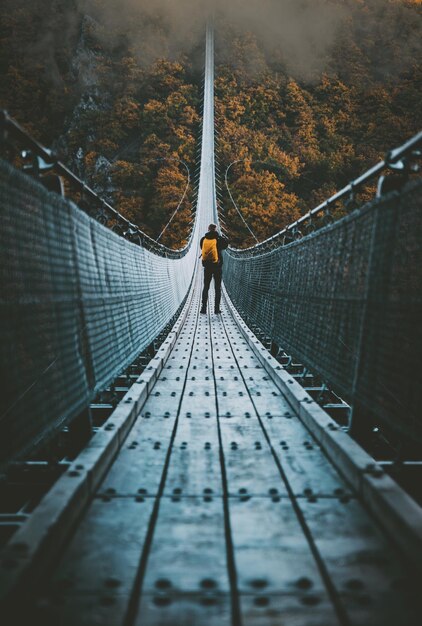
(393, 160)
(345, 302)
(9, 126)
(80, 302)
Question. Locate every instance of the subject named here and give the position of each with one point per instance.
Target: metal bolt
(162, 583)
(304, 583)
(259, 583)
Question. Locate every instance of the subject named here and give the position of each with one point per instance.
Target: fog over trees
(308, 95)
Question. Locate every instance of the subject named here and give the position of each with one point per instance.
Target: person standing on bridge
(212, 246)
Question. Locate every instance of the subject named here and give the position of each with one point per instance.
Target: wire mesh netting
(78, 303)
(346, 301)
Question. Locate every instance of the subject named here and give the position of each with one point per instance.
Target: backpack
(209, 251)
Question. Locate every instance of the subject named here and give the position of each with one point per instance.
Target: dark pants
(210, 271)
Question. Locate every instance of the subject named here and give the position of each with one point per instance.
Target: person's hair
(212, 227)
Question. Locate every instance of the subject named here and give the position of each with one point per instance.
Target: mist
(298, 35)
(301, 31)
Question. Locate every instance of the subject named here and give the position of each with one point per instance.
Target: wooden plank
(94, 578)
(175, 364)
(225, 364)
(253, 379)
(223, 359)
(194, 468)
(199, 397)
(239, 355)
(277, 574)
(164, 399)
(140, 463)
(169, 383)
(222, 349)
(201, 357)
(185, 609)
(250, 466)
(105, 552)
(159, 408)
(177, 369)
(258, 381)
(270, 547)
(82, 610)
(270, 401)
(266, 609)
(375, 586)
(233, 398)
(245, 356)
(169, 375)
(201, 347)
(305, 465)
(187, 559)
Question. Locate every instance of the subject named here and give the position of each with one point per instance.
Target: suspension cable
(402, 159)
(40, 159)
(234, 203)
(184, 192)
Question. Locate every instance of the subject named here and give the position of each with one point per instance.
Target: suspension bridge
(206, 476)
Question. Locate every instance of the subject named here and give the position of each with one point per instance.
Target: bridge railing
(346, 301)
(43, 164)
(78, 301)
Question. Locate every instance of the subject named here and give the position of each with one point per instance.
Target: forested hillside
(116, 88)
(315, 128)
(115, 96)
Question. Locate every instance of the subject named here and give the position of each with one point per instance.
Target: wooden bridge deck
(221, 508)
